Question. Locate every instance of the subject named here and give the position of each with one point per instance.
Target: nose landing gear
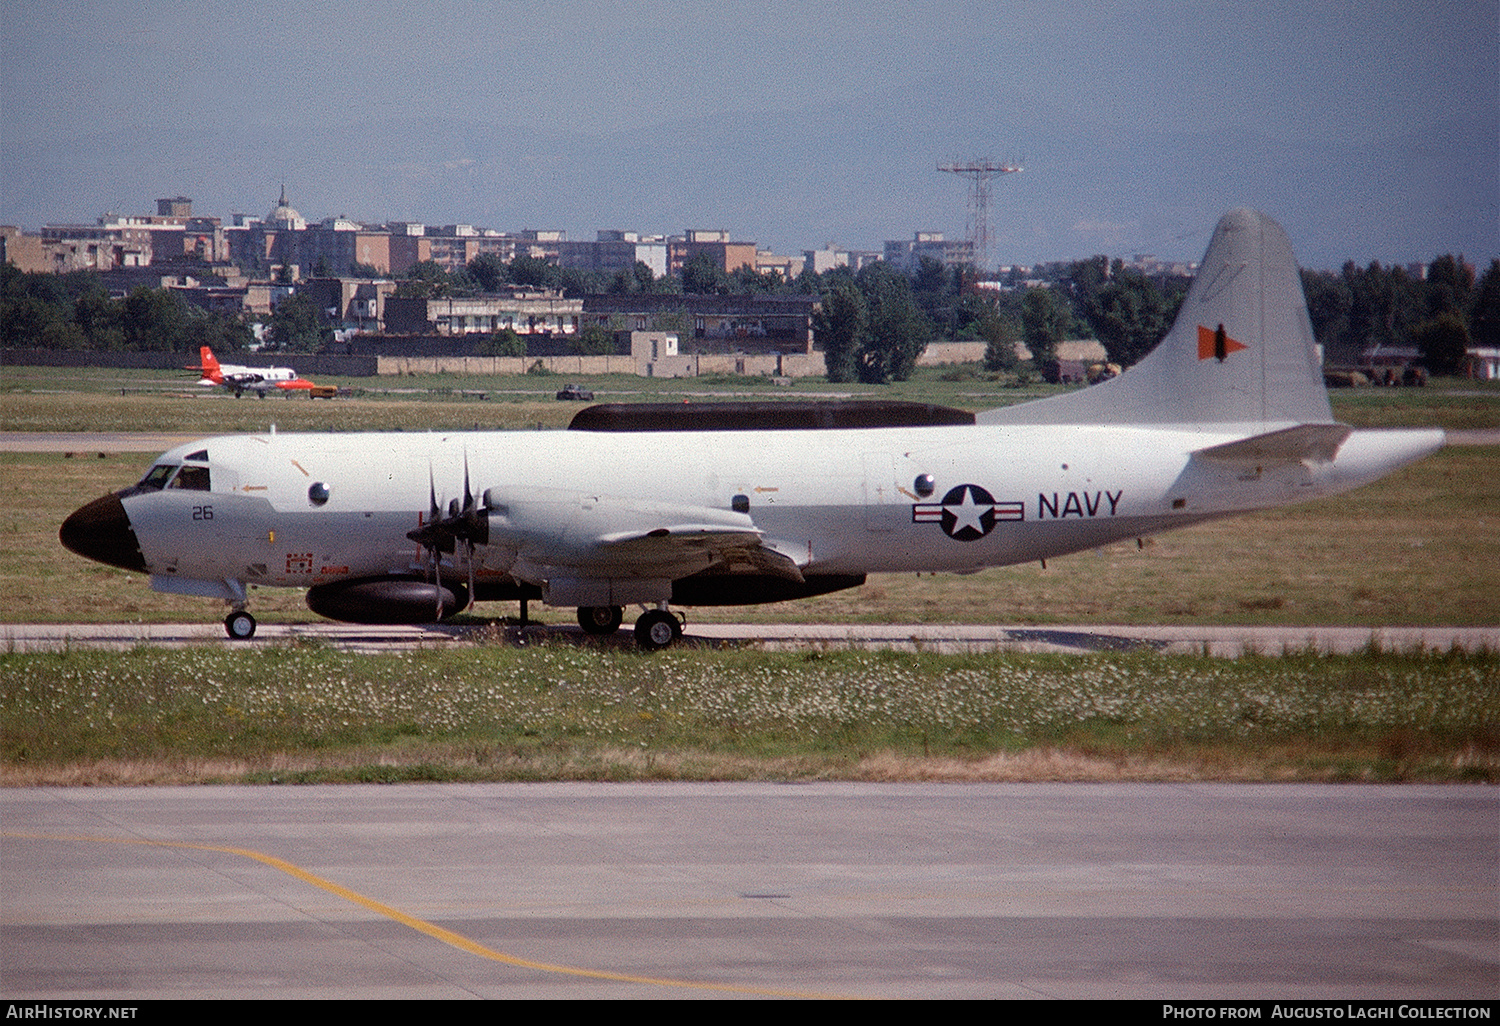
(239, 625)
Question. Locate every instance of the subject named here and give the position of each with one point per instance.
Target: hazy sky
(1370, 128)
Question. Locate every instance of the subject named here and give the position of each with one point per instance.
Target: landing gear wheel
(656, 629)
(600, 620)
(240, 625)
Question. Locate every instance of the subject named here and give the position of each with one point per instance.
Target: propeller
(465, 522)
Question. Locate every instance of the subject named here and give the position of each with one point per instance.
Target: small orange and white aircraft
(240, 380)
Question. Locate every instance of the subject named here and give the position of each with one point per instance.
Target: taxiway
(720, 890)
(1177, 639)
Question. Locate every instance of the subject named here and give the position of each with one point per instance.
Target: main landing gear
(656, 628)
(600, 620)
(239, 625)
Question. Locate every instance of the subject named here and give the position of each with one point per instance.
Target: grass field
(1420, 547)
(308, 714)
(96, 399)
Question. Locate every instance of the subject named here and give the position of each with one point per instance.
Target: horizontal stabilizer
(1315, 443)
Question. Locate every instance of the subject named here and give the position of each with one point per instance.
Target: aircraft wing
(595, 535)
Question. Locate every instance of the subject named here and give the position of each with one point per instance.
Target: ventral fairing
(694, 505)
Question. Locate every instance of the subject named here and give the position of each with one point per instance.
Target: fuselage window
(193, 479)
(156, 477)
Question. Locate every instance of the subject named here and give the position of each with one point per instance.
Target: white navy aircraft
(730, 504)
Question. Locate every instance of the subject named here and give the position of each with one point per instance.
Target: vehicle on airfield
(730, 504)
(259, 380)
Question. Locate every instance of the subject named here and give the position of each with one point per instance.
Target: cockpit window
(156, 477)
(194, 479)
(201, 456)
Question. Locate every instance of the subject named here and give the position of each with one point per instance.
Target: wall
(793, 365)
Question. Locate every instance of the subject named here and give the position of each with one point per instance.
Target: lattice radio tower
(980, 173)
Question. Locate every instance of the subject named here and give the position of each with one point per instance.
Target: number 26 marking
(203, 512)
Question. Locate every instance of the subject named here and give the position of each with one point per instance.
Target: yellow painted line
(421, 925)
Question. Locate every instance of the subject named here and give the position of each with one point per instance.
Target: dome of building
(285, 215)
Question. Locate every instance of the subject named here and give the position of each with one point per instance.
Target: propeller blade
(469, 546)
(465, 522)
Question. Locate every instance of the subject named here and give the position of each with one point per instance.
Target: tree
(425, 280)
(294, 324)
(533, 271)
(1043, 323)
(1000, 337)
(839, 327)
(703, 275)
(1384, 305)
(897, 333)
(505, 342)
(1484, 314)
(24, 319)
(746, 280)
(153, 320)
(638, 279)
(594, 341)
(98, 317)
(1443, 342)
(1329, 301)
(948, 299)
(1449, 286)
(223, 333)
(1129, 315)
(576, 281)
(488, 271)
(1085, 279)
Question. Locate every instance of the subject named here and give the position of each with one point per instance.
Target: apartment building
(907, 255)
(731, 256)
(613, 251)
(526, 311)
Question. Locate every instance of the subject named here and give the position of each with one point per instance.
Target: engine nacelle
(386, 600)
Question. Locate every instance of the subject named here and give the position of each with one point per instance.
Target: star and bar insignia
(967, 512)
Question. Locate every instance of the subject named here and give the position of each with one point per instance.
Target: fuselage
(302, 510)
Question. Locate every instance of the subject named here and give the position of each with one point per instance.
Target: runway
(1228, 642)
(1198, 891)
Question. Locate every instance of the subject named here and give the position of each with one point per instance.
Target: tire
(656, 629)
(239, 625)
(600, 620)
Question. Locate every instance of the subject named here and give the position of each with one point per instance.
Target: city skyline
(1366, 129)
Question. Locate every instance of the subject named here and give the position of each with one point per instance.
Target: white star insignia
(967, 513)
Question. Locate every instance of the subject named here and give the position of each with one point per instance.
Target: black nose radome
(101, 531)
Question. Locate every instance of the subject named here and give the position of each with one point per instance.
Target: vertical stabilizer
(1241, 351)
(211, 369)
